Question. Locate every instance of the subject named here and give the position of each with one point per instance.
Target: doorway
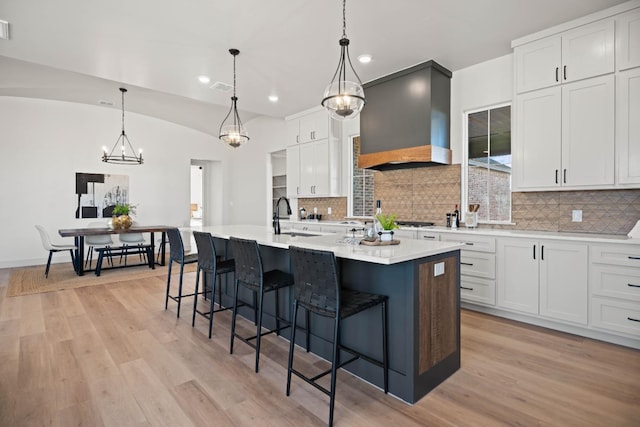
(196, 207)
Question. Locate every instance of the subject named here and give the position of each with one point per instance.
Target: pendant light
(344, 98)
(232, 131)
(121, 153)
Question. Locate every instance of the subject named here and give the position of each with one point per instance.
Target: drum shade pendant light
(121, 153)
(232, 131)
(344, 98)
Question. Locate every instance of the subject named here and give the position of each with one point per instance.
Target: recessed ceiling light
(273, 98)
(365, 58)
(204, 79)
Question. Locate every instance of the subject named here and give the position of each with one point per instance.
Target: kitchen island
(422, 281)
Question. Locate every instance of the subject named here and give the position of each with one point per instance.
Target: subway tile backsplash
(427, 194)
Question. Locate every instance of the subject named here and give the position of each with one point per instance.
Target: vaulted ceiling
(83, 50)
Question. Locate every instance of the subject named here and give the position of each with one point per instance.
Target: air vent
(103, 102)
(4, 30)
(222, 87)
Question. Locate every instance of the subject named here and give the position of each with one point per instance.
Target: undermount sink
(299, 233)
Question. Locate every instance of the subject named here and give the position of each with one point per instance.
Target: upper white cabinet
(628, 126)
(314, 166)
(628, 40)
(584, 52)
(565, 136)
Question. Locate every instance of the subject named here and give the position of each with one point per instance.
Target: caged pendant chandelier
(232, 131)
(344, 98)
(121, 153)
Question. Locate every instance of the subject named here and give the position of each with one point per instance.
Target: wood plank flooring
(110, 355)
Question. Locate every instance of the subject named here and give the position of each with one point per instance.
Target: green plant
(123, 209)
(388, 222)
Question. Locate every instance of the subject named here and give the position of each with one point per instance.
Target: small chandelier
(232, 131)
(344, 98)
(125, 155)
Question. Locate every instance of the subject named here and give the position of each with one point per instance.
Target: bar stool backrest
(248, 262)
(316, 284)
(206, 251)
(176, 247)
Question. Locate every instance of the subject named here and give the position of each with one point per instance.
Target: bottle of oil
(456, 217)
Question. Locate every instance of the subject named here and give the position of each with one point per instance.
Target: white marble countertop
(407, 250)
(482, 231)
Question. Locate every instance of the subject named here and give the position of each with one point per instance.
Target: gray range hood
(406, 120)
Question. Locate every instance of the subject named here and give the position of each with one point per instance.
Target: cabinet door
(563, 281)
(588, 51)
(628, 40)
(628, 126)
(588, 128)
(537, 147)
(293, 131)
(293, 171)
(321, 167)
(517, 278)
(538, 64)
(307, 179)
(314, 126)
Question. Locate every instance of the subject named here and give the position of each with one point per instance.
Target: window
(488, 163)
(362, 203)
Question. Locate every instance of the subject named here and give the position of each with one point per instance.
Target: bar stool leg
(211, 302)
(233, 317)
(334, 367)
(166, 299)
(259, 327)
(385, 351)
(308, 326)
(195, 297)
(277, 312)
(180, 289)
(292, 345)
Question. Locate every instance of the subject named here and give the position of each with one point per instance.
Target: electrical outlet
(438, 269)
(576, 215)
(328, 211)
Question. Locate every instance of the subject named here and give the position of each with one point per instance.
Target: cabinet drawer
(428, 235)
(474, 289)
(617, 316)
(626, 255)
(472, 242)
(404, 234)
(478, 264)
(615, 281)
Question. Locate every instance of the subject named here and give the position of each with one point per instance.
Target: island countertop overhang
(407, 250)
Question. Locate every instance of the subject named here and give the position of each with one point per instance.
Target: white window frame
(465, 161)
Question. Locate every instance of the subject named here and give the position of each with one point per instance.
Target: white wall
(44, 143)
(478, 86)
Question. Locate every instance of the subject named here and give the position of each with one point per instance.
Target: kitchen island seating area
(317, 290)
(251, 275)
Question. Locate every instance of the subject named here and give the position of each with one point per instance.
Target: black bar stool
(209, 264)
(317, 289)
(176, 254)
(250, 274)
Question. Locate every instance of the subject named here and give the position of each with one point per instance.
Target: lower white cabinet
(548, 278)
(615, 288)
(477, 267)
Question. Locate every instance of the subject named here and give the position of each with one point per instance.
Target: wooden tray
(379, 243)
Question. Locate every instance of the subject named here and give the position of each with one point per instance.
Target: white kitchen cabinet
(583, 52)
(404, 234)
(534, 277)
(628, 40)
(565, 136)
(615, 288)
(428, 235)
(308, 127)
(477, 267)
(293, 171)
(317, 141)
(628, 126)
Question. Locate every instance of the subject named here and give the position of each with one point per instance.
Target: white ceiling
(83, 50)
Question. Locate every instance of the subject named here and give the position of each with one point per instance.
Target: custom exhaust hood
(405, 122)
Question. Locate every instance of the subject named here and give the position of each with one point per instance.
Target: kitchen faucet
(276, 216)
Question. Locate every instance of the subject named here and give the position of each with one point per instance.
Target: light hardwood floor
(110, 355)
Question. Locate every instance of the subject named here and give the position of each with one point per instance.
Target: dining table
(79, 234)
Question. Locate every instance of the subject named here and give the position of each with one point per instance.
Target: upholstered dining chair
(51, 247)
